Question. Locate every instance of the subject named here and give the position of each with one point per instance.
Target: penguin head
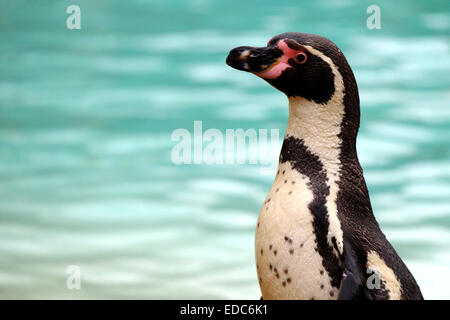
(297, 64)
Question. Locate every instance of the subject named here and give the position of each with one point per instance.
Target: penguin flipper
(353, 285)
(353, 289)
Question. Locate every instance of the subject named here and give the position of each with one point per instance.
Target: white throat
(318, 126)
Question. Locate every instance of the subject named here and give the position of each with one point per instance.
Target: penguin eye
(301, 57)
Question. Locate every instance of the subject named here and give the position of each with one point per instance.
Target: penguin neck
(319, 127)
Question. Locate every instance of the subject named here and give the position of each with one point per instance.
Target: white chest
(288, 265)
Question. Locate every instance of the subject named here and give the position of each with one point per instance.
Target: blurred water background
(86, 117)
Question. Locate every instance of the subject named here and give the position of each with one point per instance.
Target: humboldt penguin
(316, 235)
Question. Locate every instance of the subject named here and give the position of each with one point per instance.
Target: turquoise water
(86, 118)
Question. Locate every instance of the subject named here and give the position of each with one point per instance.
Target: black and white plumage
(316, 235)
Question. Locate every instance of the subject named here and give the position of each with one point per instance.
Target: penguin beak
(252, 59)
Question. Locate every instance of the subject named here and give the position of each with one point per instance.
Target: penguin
(316, 235)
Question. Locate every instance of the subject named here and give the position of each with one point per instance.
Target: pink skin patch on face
(281, 64)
